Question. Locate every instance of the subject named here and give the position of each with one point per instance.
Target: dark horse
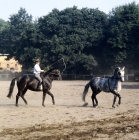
(25, 82)
(112, 84)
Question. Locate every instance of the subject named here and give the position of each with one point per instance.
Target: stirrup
(39, 88)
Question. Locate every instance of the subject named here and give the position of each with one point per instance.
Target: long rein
(58, 61)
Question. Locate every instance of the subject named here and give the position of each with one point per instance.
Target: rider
(37, 71)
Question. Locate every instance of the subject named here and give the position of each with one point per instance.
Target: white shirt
(37, 69)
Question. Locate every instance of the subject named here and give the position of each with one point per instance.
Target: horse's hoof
(85, 104)
(94, 106)
(118, 105)
(9, 97)
(16, 105)
(43, 105)
(54, 105)
(113, 106)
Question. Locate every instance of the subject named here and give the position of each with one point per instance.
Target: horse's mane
(49, 71)
(116, 72)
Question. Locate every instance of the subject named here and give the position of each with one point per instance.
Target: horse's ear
(123, 68)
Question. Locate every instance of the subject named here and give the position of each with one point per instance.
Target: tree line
(89, 40)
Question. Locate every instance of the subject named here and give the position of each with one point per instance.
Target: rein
(58, 61)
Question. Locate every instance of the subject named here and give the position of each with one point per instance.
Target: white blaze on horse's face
(122, 71)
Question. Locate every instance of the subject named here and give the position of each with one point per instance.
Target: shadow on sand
(10, 105)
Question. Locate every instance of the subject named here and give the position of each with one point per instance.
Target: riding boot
(39, 86)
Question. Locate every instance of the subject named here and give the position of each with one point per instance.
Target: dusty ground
(68, 119)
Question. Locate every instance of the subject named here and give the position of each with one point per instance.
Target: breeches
(38, 77)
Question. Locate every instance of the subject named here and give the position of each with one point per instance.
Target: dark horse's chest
(47, 83)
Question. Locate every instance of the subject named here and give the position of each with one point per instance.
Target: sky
(39, 8)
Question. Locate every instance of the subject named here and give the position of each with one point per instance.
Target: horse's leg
(19, 94)
(94, 94)
(23, 94)
(17, 97)
(43, 99)
(21, 84)
(116, 94)
(114, 100)
(98, 91)
(49, 93)
(119, 99)
(94, 98)
(96, 101)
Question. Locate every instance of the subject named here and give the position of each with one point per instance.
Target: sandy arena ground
(68, 120)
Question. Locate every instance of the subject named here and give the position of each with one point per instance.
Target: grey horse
(111, 84)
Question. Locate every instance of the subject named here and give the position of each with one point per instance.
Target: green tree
(2, 24)
(20, 39)
(73, 34)
(122, 43)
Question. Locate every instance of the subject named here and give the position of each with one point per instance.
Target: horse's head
(53, 73)
(119, 73)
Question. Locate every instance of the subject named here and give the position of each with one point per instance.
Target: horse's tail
(11, 88)
(85, 91)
